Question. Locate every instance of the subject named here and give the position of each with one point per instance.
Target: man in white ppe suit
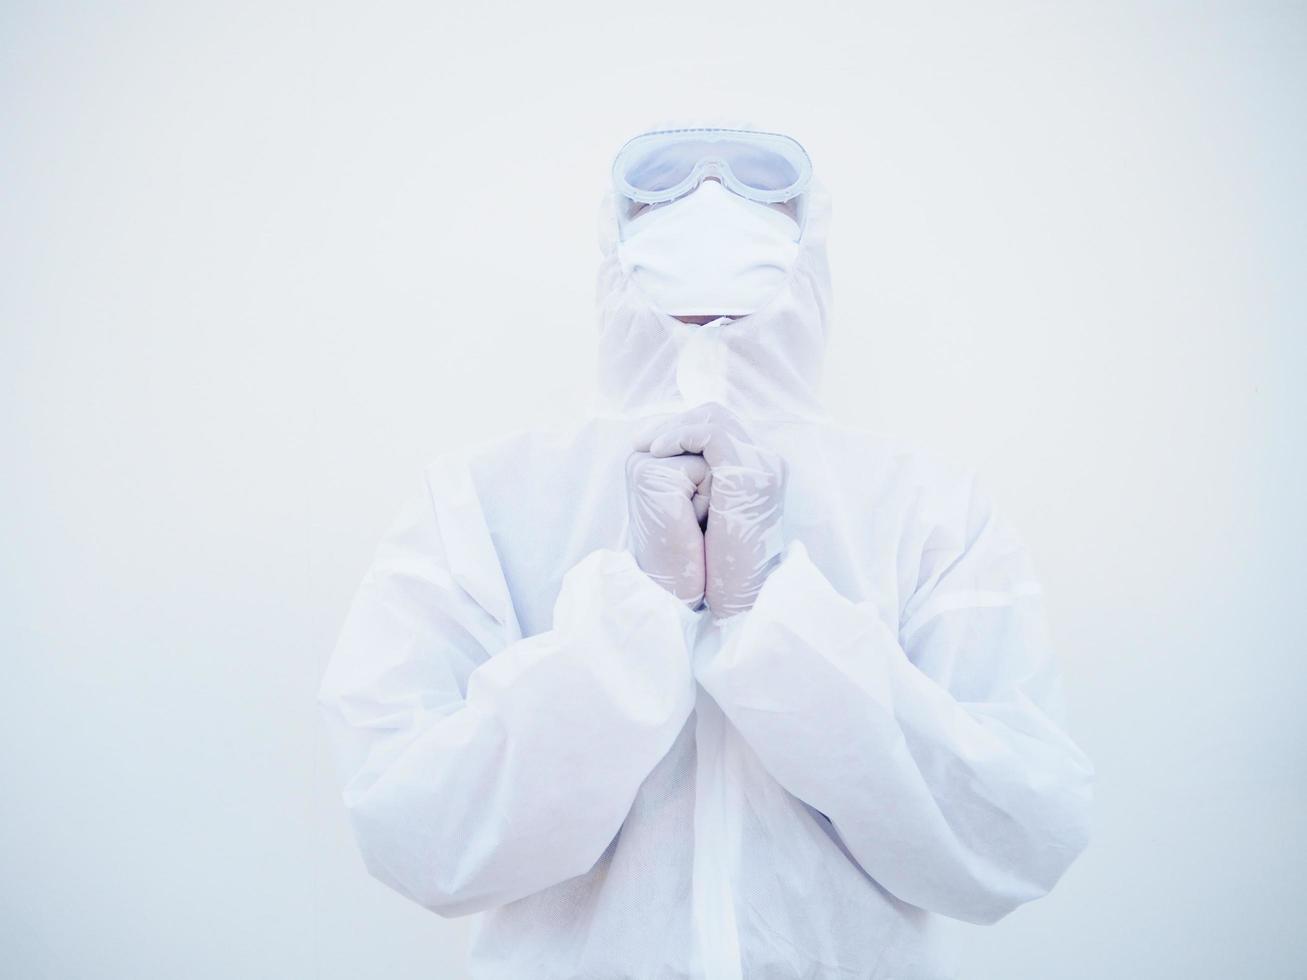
(710, 688)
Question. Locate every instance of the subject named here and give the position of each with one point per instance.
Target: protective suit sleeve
(473, 775)
(933, 749)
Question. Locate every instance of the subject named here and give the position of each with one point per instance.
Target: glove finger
(678, 439)
(710, 441)
(651, 473)
(689, 467)
(654, 426)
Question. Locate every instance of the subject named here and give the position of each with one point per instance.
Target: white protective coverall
(530, 727)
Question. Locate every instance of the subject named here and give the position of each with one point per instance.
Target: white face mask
(710, 253)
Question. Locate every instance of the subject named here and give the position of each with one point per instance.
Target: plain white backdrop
(259, 263)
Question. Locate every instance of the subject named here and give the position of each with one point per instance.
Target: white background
(259, 264)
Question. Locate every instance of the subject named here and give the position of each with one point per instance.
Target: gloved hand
(667, 500)
(743, 540)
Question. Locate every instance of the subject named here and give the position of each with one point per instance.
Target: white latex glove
(667, 500)
(743, 540)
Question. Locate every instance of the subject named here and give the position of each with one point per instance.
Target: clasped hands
(705, 504)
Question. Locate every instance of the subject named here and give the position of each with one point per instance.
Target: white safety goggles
(660, 167)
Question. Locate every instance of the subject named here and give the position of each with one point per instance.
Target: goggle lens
(772, 166)
(666, 166)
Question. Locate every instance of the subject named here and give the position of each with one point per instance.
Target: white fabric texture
(528, 725)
